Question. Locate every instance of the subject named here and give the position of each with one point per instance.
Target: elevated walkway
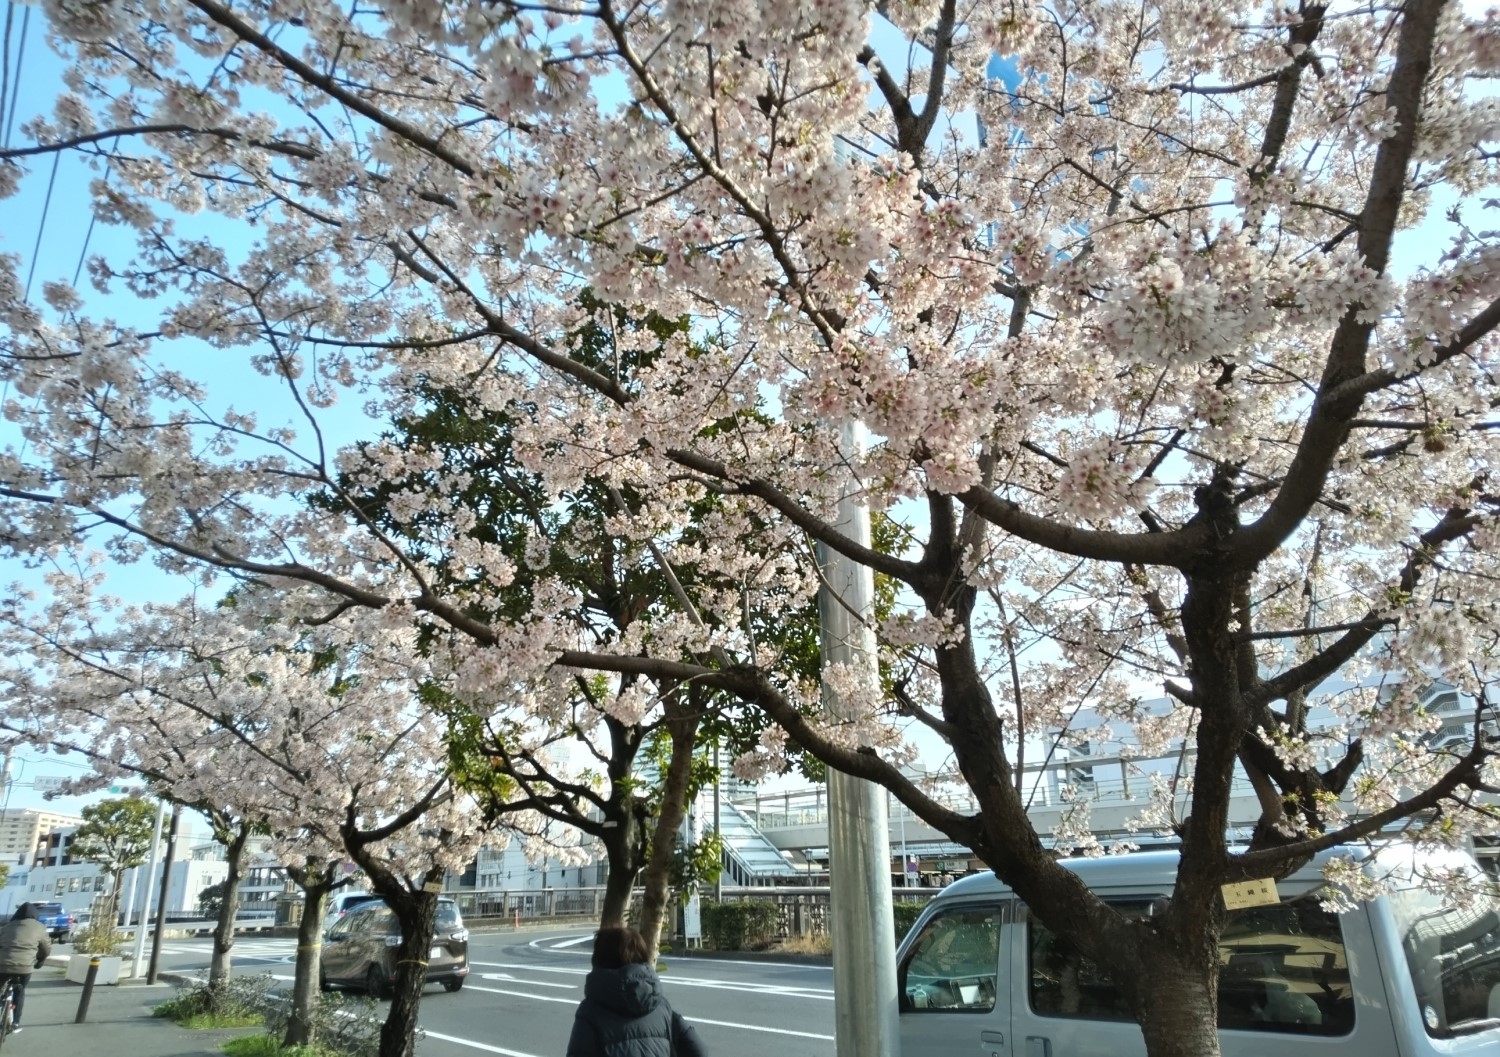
(749, 858)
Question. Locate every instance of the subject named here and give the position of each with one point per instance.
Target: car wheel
(323, 984)
(453, 985)
(375, 982)
(65, 937)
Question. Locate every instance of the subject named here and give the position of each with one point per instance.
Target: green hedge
(743, 926)
(906, 916)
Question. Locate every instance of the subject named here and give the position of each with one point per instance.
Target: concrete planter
(109, 968)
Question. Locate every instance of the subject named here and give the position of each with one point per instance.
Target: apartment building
(21, 830)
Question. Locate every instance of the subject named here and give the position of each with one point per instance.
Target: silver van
(1404, 975)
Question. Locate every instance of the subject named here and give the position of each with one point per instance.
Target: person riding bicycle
(24, 946)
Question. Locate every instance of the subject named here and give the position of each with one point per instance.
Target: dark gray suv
(360, 950)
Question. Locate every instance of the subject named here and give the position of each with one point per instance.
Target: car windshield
(1453, 952)
(448, 918)
(48, 908)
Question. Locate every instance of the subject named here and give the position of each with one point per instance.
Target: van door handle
(992, 1042)
(1038, 1046)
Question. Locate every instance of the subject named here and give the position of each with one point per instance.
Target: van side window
(1063, 983)
(1282, 969)
(952, 965)
(1454, 955)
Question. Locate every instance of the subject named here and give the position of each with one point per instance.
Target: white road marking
(757, 1027)
(695, 1020)
(518, 980)
(530, 968)
(555, 946)
(523, 994)
(824, 994)
(486, 1047)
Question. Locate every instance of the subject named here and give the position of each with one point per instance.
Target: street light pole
(161, 899)
(859, 840)
(137, 963)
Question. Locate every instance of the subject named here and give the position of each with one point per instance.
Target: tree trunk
(417, 912)
(682, 728)
(219, 967)
(299, 1021)
(1179, 1008)
(621, 853)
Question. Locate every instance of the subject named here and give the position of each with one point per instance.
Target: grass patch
(240, 1004)
(817, 943)
(269, 1046)
(221, 1020)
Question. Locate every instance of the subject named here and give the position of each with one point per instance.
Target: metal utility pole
(864, 952)
(138, 954)
(161, 898)
(718, 827)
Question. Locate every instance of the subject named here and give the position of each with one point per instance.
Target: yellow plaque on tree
(1258, 893)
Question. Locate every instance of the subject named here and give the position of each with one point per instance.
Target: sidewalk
(119, 1023)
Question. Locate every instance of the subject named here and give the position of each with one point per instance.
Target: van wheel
(453, 985)
(375, 983)
(323, 984)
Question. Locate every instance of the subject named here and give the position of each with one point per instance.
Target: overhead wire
(20, 60)
(10, 15)
(41, 228)
(89, 233)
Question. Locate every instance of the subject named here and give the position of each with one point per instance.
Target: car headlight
(460, 935)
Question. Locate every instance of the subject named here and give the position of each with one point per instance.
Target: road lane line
(532, 968)
(575, 941)
(518, 980)
(749, 987)
(521, 994)
(486, 1047)
(695, 1020)
(757, 1027)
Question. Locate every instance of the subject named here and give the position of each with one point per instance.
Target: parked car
(341, 902)
(360, 950)
(1408, 974)
(58, 922)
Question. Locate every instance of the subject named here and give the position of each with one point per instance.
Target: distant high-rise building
(22, 830)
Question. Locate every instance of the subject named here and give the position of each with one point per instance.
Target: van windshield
(1454, 956)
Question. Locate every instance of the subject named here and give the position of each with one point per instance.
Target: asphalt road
(520, 995)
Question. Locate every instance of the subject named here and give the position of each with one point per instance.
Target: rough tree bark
(220, 964)
(316, 880)
(682, 719)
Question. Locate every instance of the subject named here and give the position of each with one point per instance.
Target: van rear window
(1282, 969)
(1454, 956)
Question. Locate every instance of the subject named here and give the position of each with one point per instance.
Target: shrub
(342, 1026)
(100, 937)
(906, 915)
(240, 1003)
(745, 926)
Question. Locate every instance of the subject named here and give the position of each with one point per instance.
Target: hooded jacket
(624, 1014)
(24, 943)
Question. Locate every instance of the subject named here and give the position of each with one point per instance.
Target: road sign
(45, 782)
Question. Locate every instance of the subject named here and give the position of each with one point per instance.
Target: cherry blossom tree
(1182, 375)
(315, 735)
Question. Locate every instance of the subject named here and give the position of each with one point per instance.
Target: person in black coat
(24, 946)
(623, 1012)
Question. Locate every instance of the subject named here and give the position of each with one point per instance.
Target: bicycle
(7, 1008)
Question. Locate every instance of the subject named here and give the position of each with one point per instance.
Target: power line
(92, 217)
(15, 92)
(10, 14)
(42, 227)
